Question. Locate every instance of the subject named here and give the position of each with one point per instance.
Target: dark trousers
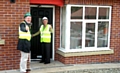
(45, 52)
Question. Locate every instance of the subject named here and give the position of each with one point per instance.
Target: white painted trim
(96, 27)
(84, 50)
(87, 5)
(53, 54)
(109, 26)
(67, 26)
(83, 29)
(50, 6)
(60, 26)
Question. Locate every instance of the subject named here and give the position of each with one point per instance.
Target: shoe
(41, 61)
(28, 70)
(46, 62)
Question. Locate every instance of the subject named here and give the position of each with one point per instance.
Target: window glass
(103, 13)
(76, 12)
(90, 12)
(63, 27)
(102, 39)
(76, 35)
(63, 36)
(90, 35)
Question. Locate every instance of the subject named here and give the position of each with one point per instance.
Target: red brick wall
(115, 35)
(11, 14)
(57, 29)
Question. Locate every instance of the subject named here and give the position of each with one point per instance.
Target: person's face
(28, 19)
(45, 22)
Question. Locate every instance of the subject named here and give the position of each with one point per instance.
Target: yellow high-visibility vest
(24, 35)
(45, 33)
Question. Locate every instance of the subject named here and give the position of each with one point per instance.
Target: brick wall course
(11, 14)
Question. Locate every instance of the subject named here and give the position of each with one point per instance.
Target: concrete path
(57, 67)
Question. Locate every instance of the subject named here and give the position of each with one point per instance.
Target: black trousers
(45, 52)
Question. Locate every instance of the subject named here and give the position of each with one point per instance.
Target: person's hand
(32, 35)
(27, 28)
(50, 28)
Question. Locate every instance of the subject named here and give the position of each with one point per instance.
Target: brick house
(85, 31)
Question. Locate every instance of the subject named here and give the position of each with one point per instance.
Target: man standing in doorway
(45, 33)
(24, 41)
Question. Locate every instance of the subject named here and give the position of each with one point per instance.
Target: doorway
(37, 14)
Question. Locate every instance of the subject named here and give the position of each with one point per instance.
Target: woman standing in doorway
(45, 33)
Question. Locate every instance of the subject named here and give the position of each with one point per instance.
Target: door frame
(53, 42)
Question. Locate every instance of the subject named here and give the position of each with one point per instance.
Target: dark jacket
(23, 44)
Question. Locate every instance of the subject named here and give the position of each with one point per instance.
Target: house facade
(85, 31)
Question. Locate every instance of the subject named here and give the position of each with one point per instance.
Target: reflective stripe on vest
(45, 33)
(24, 35)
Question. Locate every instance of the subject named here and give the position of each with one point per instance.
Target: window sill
(2, 41)
(84, 53)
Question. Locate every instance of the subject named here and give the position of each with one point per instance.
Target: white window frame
(67, 30)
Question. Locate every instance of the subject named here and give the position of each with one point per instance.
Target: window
(90, 12)
(63, 28)
(102, 35)
(85, 27)
(76, 35)
(104, 13)
(90, 35)
(76, 12)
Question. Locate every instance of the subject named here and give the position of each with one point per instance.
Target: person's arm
(37, 33)
(51, 30)
(23, 27)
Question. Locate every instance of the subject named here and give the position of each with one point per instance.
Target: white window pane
(63, 36)
(76, 12)
(90, 12)
(76, 35)
(103, 13)
(63, 16)
(90, 35)
(102, 39)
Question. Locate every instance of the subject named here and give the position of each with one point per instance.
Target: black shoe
(41, 61)
(46, 62)
(28, 70)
